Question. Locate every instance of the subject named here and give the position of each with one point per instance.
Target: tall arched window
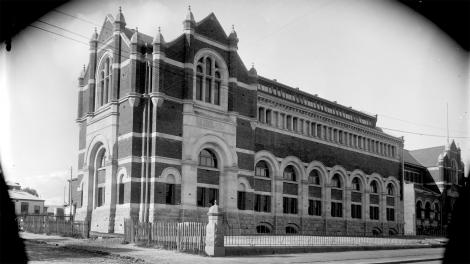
(314, 193)
(356, 199)
(290, 190)
(104, 85)
(437, 212)
(374, 201)
(208, 80)
(262, 169)
(208, 174)
(336, 196)
(207, 159)
(390, 202)
(427, 210)
(262, 201)
(419, 210)
(100, 177)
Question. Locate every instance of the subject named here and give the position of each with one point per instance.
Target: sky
(376, 56)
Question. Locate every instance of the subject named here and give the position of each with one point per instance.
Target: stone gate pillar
(215, 233)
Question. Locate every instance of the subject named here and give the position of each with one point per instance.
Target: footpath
(115, 248)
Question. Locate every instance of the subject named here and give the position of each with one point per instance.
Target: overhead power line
(58, 34)
(423, 134)
(76, 17)
(64, 29)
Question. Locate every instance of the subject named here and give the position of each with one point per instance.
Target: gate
(180, 236)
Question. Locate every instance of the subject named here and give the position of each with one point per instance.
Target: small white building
(25, 203)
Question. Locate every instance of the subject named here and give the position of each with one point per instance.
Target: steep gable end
(106, 30)
(428, 157)
(211, 28)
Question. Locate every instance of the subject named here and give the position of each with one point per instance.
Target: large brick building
(432, 181)
(167, 128)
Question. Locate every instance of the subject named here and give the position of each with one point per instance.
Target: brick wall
(283, 145)
(168, 148)
(245, 138)
(170, 118)
(245, 161)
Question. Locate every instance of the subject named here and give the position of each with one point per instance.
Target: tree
(31, 191)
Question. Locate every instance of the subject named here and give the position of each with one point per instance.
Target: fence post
(215, 233)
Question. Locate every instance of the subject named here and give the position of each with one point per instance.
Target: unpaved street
(40, 252)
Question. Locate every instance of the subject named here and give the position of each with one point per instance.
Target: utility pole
(70, 193)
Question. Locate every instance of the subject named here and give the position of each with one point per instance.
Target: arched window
(419, 209)
(437, 212)
(208, 80)
(356, 199)
(374, 201)
(390, 202)
(100, 177)
(207, 159)
(427, 210)
(263, 229)
(209, 193)
(374, 187)
(356, 184)
(291, 230)
(314, 177)
(314, 193)
(289, 173)
(104, 83)
(262, 169)
(336, 196)
(390, 190)
(335, 181)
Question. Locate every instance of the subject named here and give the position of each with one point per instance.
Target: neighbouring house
(433, 177)
(166, 129)
(25, 203)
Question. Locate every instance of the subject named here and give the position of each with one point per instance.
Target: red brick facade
(152, 128)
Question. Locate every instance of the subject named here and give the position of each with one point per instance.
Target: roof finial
(252, 65)
(189, 8)
(120, 9)
(159, 29)
(96, 30)
(233, 27)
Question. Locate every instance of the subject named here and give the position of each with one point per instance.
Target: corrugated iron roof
(22, 195)
(427, 157)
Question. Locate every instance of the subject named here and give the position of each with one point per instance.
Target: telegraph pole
(70, 193)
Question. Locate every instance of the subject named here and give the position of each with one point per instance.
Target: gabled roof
(410, 159)
(22, 195)
(210, 27)
(427, 157)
